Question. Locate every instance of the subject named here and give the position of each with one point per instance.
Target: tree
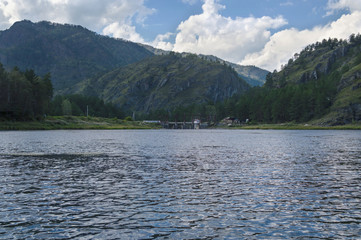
(269, 80)
(66, 107)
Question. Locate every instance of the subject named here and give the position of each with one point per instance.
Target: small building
(231, 121)
(197, 123)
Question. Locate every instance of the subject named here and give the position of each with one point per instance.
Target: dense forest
(299, 103)
(80, 105)
(26, 96)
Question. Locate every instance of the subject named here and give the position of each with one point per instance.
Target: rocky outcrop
(348, 80)
(326, 66)
(345, 115)
(352, 113)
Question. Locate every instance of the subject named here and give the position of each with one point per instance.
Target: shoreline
(297, 127)
(96, 123)
(74, 123)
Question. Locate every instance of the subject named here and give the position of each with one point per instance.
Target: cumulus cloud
(230, 39)
(116, 17)
(282, 45)
(162, 42)
(124, 31)
(248, 41)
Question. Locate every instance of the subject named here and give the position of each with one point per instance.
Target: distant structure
(197, 123)
(152, 121)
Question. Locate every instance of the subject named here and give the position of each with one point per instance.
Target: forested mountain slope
(253, 75)
(323, 81)
(70, 53)
(165, 82)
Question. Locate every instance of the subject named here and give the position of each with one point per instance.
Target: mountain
(70, 53)
(334, 65)
(253, 75)
(165, 82)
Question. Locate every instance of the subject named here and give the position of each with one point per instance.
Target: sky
(264, 33)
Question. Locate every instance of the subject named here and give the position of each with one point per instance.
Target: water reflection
(180, 184)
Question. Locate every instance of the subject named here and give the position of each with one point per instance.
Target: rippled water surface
(175, 184)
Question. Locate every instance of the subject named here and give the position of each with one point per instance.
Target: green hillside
(335, 62)
(70, 53)
(253, 75)
(322, 84)
(165, 82)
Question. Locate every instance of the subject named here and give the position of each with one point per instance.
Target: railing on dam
(184, 125)
(180, 125)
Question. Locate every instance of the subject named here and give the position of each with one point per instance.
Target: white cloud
(162, 43)
(282, 45)
(248, 41)
(351, 5)
(115, 16)
(124, 31)
(230, 39)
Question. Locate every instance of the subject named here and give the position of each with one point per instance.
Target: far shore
(72, 122)
(88, 123)
(295, 126)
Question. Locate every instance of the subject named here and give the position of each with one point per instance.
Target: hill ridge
(71, 53)
(165, 82)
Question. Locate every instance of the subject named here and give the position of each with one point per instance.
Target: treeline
(298, 102)
(333, 43)
(24, 95)
(80, 105)
(329, 44)
(206, 112)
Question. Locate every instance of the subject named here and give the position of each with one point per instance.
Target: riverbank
(294, 126)
(72, 122)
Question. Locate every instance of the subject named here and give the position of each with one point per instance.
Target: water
(180, 184)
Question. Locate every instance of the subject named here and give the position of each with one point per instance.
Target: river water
(180, 184)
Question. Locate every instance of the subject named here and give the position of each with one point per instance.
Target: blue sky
(265, 33)
(300, 14)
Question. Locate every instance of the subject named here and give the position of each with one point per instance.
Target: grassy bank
(293, 126)
(71, 122)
